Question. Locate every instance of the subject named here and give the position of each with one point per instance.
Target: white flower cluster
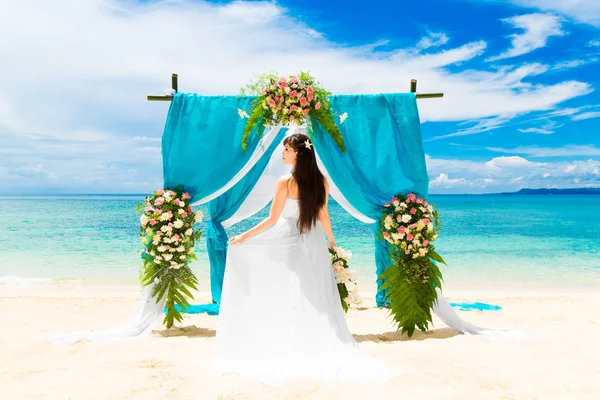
(167, 223)
(346, 276)
(409, 225)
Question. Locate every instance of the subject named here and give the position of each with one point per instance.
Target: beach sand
(176, 363)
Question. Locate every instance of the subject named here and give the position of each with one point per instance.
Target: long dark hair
(310, 180)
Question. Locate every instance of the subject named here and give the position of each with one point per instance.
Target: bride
(280, 315)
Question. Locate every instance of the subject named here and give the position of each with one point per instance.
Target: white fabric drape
(146, 315)
(258, 153)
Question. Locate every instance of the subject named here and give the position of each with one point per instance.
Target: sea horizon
(487, 239)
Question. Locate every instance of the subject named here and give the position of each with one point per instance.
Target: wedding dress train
(280, 315)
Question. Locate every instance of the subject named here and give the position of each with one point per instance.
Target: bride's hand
(332, 243)
(237, 240)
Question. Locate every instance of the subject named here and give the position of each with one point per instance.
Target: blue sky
(520, 77)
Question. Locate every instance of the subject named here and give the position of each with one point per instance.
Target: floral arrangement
(344, 277)
(167, 231)
(410, 225)
(294, 99)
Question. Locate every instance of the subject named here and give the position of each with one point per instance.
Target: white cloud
(564, 151)
(444, 180)
(587, 11)
(537, 28)
(540, 131)
(586, 115)
(594, 43)
(433, 40)
(73, 96)
(506, 174)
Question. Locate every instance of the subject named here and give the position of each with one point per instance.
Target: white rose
(144, 220)
(149, 231)
(406, 218)
(181, 249)
(168, 257)
(168, 199)
(199, 216)
(164, 228)
(178, 224)
(156, 240)
(188, 232)
(165, 217)
(161, 249)
(172, 250)
(182, 257)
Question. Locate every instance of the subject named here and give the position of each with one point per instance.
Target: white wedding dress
(280, 315)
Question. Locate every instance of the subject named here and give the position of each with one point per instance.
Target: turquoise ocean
(508, 240)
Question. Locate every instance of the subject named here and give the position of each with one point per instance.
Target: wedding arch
(381, 157)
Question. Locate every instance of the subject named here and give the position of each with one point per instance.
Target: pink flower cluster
(290, 100)
(407, 224)
(167, 228)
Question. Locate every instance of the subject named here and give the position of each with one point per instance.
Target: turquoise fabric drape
(201, 144)
(384, 156)
(201, 150)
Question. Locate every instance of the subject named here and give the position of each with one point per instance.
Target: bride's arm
(324, 218)
(281, 194)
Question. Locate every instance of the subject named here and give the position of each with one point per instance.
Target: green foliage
(410, 225)
(256, 86)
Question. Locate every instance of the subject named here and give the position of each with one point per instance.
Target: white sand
(175, 363)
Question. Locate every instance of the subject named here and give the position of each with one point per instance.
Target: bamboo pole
(175, 86)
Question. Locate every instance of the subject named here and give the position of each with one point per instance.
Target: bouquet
(410, 225)
(344, 277)
(293, 99)
(167, 231)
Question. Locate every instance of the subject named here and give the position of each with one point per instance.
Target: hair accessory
(308, 144)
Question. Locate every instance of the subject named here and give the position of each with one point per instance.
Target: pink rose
(386, 235)
(413, 211)
(386, 205)
(303, 101)
(158, 211)
(402, 230)
(159, 201)
(271, 102)
(186, 196)
(159, 233)
(291, 118)
(167, 247)
(183, 214)
(411, 196)
(426, 221)
(153, 222)
(412, 226)
(425, 243)
(399, 218)
(305, 111)
(170, 224)
(420, 200)
(407, 201)
(187, 225)
(309, 96)
(170, 193)
(318, 105)
(293, 94)
(394, 199)
(160, 192)
(176, 201)
(190, 209)
(310, 89)
(425, 203)
(278, 107)
(410, 236)
(406, 251)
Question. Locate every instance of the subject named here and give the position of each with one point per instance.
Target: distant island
(557, 191)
